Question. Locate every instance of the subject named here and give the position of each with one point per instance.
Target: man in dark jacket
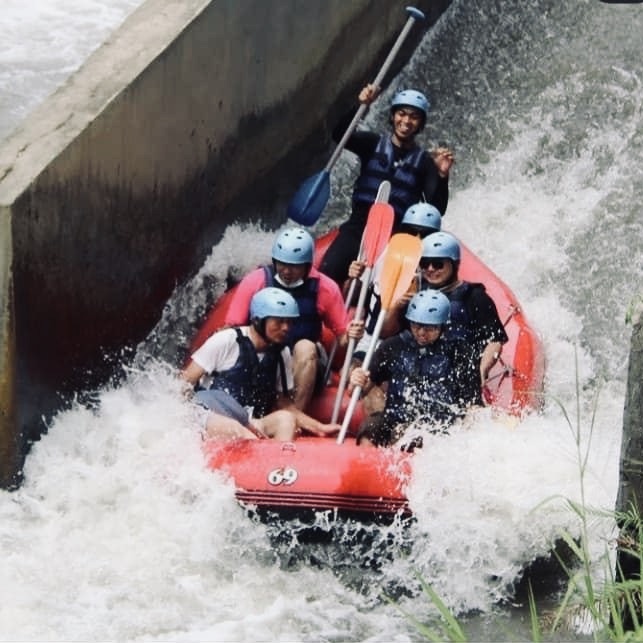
(474, 318)
(422, 371)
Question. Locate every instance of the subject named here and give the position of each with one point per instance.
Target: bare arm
(488, 358)
(192, 373)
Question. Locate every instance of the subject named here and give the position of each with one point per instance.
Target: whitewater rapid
(118, 531)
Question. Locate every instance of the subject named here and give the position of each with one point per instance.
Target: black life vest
(404, 175)
(461, 327)
(308, 325)
(251, 381)
(421, 385)
(460, 322)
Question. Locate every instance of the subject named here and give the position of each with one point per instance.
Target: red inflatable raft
(317, 474)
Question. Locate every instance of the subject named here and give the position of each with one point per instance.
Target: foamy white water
(43, 42)
(120, 533)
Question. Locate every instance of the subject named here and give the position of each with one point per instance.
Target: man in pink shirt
(320, 303)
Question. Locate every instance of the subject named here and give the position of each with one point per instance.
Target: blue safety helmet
(441, 245)
(411, 98)
(423, 215)
(294, 245)
(273, 302)
(429, 307)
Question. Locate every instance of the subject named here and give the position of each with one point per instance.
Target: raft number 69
(283, 475)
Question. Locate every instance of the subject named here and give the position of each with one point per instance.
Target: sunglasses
(425, 262)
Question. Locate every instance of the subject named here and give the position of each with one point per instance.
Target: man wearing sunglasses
(474, 317)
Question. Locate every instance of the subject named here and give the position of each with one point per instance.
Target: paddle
(310, 199)
(377, 232)
(401, 258)
(371, 232)
(376, 235)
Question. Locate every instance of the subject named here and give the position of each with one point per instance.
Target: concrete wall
(117, 186)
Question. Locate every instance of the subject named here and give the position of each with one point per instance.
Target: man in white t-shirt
(252, 378)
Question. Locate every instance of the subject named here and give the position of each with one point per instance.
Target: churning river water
(120, 533)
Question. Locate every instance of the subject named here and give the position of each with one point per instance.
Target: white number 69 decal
(285, 475)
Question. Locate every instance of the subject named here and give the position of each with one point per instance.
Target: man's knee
(304, 351)
(226, 428)
(280, 425)
(375, 430)
(374, 401)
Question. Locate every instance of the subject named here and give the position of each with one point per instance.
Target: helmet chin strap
(260, 326)
(297, 283)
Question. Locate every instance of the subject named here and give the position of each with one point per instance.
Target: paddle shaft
(333, 350)
(415, 14)
(366, 280)
(311, 198)
(357, 391)
(382, 225)
(402, 255)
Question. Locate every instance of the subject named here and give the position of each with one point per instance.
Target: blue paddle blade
(310, 199)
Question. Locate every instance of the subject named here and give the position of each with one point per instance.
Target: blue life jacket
(251, 381)
(421, 385)
(309, 324)
(406, 188)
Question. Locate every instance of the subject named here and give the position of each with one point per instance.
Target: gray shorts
(222, 403)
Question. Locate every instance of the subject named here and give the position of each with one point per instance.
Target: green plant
(446, 629)
(614, 607)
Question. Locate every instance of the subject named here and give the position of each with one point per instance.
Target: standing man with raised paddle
(414, 173)
(310, 199)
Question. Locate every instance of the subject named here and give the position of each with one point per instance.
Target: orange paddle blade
(377, 231)
(401, 259)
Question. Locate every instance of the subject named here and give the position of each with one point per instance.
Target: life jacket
(421, 385)
(308, 325)
(251, 381)
(459, 326)
(406, 188)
